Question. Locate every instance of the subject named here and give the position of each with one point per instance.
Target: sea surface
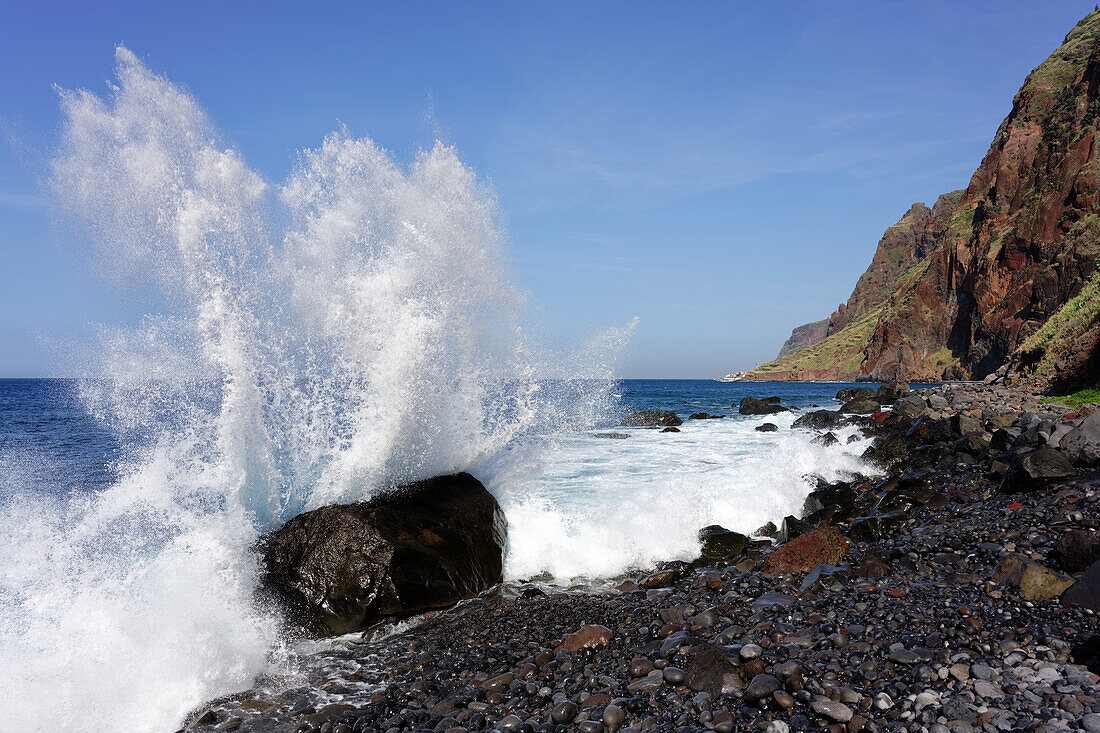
(588, 503)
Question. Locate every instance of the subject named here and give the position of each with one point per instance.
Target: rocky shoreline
(947, 596)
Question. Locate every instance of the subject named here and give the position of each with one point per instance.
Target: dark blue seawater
(49, 441)
(685, 396)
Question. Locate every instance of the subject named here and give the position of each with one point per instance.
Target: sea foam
(353, 328)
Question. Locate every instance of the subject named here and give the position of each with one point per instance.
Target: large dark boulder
(651, 419)
(819, 420)
(1082, 444)
(1077, 549)
(846, 395)
(753, 406)
(1085, 592)
(888, 394)
(714, 670)
(910, 406)
(861, 406)
(424, 545)
(720, 544)
(1034, 470)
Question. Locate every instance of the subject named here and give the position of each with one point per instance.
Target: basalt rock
(1085, 592)
(847, 395)
(861, 406)
(819, 420)
(768, 427)
(754, 406)
(714, 670)
(1077, 549)
(1036, 469)
(421, 546)
(720, 544)
(651, 419)
(1082, 444)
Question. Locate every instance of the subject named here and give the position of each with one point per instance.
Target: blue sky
(722, 171)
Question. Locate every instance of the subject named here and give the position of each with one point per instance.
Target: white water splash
(352, 329)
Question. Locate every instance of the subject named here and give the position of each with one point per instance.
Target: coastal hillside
(1002, 278)
(902, 246)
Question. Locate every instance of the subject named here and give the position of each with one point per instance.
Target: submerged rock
(753, 406)
(424, 545)
(650, 419)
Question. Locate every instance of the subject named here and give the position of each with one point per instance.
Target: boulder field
(955, 591)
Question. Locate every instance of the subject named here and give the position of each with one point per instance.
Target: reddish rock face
(956, 290)
(1019, 244)
(805, 552)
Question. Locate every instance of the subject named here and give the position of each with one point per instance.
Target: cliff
(1004, 277)
(805, 335)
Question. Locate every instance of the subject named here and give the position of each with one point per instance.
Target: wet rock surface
(912, 627)
(651, 419)
(424, 545)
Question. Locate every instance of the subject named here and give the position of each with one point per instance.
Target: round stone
(563, 713)
(613, 717)
(751, 651)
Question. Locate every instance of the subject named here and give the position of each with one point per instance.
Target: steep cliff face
(804, 336)
(1021, 242)
(849, 328)
(1010, 257)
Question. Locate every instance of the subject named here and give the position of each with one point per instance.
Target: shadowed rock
(651, 419)
(424, 545)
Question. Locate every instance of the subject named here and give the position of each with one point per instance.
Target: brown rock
(805, 552)
(662, 579)
(585, 636)
(872, 568)
(713, 670)
(1035, 582)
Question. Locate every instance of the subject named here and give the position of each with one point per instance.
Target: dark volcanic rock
(819, 420)
(1082, 444)
(1077, 549)
(424, 545)
(650, 419)
(753, 406)
(1086, 591)
(1036, 469)
(721, 544)
(714, 670)
(768, 427)
(705, 416)
(861, 406)
(888, 394)
(847, 395)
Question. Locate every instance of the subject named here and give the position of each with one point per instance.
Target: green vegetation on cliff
(1059, 335)
(839, 354)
